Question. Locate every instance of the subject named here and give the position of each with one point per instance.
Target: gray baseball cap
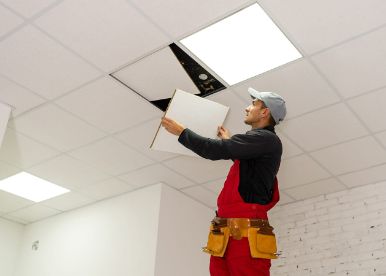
(273, 101)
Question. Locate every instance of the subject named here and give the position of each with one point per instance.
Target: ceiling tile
(289, 148)
(111, 156)
(67, 201)
(357, 66)
(190, 15)
(8, 21)
(197, 169)
(55, 127)
(28, 8)
(298, 83)
(108, 39)
(324, 127)
(15, 219)
(35, 61)
(370, 108)
(382, 137)
(300, 170)
(351, 156)
(315, 25)
(155, 174)
(22, 151)
(326, 186)
(157, 76)
(109, 105)
(34, 213)
(68, 172)
(10, 202)
(7, 170)
(202, 195)
(364, 177)
(17, 97)
(215, 186)
(284, 198)
(106, 189)
(236, 115)
(141, 137)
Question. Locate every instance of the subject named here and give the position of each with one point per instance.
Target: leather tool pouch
(262, 245)
(217, 241)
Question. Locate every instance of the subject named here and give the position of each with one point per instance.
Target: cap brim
(254, 93)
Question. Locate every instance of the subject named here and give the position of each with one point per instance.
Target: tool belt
(262, 241)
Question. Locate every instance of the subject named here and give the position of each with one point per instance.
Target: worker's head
(267, 108)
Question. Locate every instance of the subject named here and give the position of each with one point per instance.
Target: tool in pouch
(262, 241)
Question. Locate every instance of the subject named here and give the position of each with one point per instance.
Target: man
(241, 240)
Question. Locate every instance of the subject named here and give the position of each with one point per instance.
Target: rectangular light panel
(31, 187)
(242, 45)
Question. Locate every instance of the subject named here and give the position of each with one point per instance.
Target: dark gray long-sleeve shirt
(259, 151)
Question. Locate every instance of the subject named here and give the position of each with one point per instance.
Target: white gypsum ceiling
(75, 125)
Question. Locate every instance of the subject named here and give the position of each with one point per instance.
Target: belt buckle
(236, 225)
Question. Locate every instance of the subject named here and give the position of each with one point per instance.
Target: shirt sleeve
(240, 146)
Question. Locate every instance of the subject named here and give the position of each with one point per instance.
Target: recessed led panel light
(242, 45)
(31, 187)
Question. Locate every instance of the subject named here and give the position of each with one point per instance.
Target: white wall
(10, 236)
(182, 232)
(343, 233)
(116, 237)
(143, 233)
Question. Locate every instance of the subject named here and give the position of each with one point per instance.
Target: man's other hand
(172, 126)
(223, 133)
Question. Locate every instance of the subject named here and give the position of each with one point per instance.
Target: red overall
(237, 260)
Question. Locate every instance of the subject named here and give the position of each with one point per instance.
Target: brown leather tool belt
(242, 224)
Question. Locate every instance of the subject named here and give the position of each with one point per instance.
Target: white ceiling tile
(109, 105)
(326, 186)
(55, 127)
(10, 202)
(371, 110)
(35, 61)
(202, 195)
(324, 127)
(67, 172)
(155, 174)
(350, 156)
(357, 66)
(22, 151)
(106, 189)
(215, 186)
(18, 97)
(108, 39)
(157, 76)
(299, 170)
(298, 83)
(364, 177)
(15, 219)
(34, 213)
(284, 198)
(67, 201)
(7, 170)
(236, 115)
(198, 169)
(315, 25)
(382, 137)
(28, 8)
(190, 15)
(111, 156)
(141, 137)
(8, 21)
(289, 148)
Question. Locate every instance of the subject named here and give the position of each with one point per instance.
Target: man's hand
(172, 126)
(223, 133)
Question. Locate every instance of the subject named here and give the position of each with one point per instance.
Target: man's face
(254, 112)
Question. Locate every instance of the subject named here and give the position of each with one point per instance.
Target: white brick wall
(343, 233)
